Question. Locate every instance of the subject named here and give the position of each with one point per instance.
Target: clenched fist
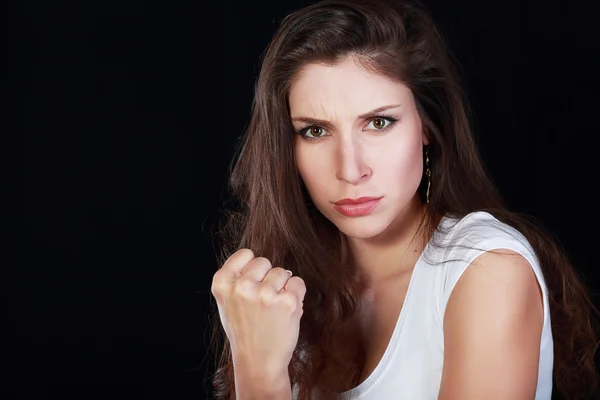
(260, 308)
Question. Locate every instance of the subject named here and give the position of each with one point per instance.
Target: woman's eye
(379, 123)
(314, 132)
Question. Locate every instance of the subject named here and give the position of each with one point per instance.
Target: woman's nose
(350, 165)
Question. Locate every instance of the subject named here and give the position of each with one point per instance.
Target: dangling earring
(427, 171)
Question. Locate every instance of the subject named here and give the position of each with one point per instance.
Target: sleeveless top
(411, 367)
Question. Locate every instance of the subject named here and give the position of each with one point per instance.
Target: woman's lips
(356, 207)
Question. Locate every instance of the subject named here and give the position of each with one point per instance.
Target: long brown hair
(277, 220)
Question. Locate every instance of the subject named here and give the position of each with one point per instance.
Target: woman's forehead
(323, 90)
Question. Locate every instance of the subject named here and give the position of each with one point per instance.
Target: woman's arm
(492, 331)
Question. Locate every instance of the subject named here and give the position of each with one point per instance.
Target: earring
(427, 171)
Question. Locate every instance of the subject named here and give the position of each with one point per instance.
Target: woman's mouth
(356, 207)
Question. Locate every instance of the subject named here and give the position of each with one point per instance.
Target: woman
(376, 260)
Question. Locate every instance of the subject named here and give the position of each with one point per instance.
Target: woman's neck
(396, 250)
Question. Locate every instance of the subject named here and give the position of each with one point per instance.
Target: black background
(129, 112)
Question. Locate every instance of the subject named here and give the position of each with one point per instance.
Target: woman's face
(360, 136)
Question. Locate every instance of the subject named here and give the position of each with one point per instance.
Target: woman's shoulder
(460, 241)
(482, 229)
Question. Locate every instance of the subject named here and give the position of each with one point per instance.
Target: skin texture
(493, 321)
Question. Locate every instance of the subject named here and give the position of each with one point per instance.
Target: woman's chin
(362, 228)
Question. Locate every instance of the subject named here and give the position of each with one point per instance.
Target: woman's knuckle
(244, 288)
(217, 286)
(288, 301)
(244, 253)
(263, 261)
(266, 296)
(215, 290)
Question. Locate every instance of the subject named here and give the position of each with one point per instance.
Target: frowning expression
(358, 135)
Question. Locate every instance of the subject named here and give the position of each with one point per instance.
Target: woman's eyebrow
(325, 123)
(378, 110)
(312, 121)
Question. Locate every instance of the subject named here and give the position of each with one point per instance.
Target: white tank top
(411, 367)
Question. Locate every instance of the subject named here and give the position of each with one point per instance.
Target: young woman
(372, 257)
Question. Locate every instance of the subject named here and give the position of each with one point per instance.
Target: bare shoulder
(500, 270)
(492, 330)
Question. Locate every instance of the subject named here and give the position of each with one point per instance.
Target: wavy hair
(277, 220)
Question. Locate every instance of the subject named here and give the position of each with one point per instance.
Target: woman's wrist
(253, 382)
